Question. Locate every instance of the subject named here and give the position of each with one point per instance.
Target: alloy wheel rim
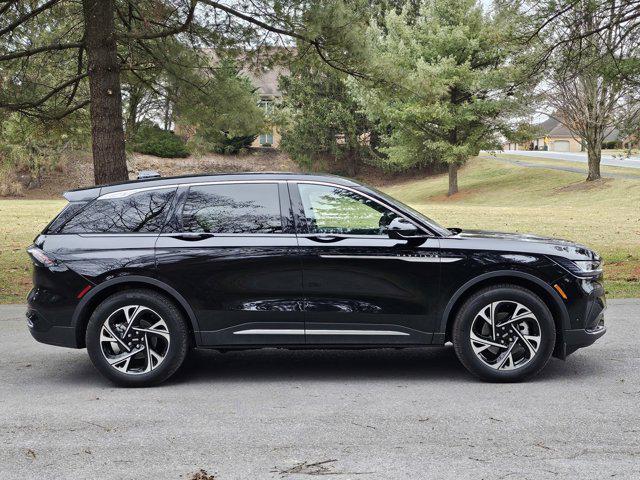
(134, 339)
(505, 335)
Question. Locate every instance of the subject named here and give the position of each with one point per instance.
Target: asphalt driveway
(388, 414)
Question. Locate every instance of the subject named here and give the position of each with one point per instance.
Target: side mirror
(401, 229)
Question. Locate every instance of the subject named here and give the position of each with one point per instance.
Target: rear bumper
(44, 332)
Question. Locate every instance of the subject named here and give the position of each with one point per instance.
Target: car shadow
(281, 365)
(431, 363)
(329, 365)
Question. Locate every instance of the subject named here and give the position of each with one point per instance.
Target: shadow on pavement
(431, 363)
(280, 364)
(273, 365)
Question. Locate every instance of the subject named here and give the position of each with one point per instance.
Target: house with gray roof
(556, 137)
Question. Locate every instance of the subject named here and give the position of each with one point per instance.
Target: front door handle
(192, 236)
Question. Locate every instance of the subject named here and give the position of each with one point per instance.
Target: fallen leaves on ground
(201, 475)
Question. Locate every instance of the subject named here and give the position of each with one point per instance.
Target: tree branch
(35, 51)
(259, 23)
(6, 6)
(168, 32)
(40, 101)
(19, 21)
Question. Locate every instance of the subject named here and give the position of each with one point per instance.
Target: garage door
(561, 146)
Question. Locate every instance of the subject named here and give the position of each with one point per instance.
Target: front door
(362, 287)
(231, 251)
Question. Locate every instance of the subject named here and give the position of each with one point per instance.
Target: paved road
(384, 414)
(561, 167)
(631, 162)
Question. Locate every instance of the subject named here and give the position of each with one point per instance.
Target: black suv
(140, 272)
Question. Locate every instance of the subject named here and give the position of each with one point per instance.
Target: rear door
(232, 252)
(362, 287)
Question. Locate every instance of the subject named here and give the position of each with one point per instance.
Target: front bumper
(586, 315)
(575, 339)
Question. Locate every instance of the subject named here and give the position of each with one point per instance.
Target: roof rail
(148, 174)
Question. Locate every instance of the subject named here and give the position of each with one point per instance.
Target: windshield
(403, 206)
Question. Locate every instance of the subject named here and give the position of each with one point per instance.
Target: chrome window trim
(236, 235)
(133, 191)
(115, 234)
(128, 193)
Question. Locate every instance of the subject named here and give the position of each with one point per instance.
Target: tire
(517, 354)
(157, 335)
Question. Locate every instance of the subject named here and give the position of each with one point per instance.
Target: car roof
(89, 193)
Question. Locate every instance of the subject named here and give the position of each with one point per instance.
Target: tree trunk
(352, 162)
(594, 164)
(109, 157)
(167, 113)
(453, 179)
(132, 116)
(594, 153)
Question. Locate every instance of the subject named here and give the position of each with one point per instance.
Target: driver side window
(334, 210)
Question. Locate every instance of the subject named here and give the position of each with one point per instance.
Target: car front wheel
(137, 338)
(504, 333)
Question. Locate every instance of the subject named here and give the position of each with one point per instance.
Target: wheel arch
(97, 294)
(546, 293)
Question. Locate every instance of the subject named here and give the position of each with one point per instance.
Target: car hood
(522, 243)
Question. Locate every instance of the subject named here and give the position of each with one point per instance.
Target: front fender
(503, 275)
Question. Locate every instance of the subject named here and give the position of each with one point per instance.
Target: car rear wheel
(137, 338)
(504, 333)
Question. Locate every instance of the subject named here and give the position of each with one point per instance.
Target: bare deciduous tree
(592, 51)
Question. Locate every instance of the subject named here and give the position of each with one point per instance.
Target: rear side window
(143, 212)
(233, 208)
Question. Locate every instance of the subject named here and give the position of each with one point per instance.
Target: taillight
(41, 257)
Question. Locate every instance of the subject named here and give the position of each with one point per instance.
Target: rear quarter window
(68, 212)
(143, 212)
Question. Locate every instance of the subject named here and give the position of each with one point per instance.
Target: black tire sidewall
(170, 314)
(462, 328)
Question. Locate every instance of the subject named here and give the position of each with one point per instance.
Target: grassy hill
(493, 195)
(604, 215)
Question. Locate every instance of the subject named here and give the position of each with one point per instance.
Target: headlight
(581, 268)
(590, 267)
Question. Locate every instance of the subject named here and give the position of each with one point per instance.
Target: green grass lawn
(20, 222)
(493, 195)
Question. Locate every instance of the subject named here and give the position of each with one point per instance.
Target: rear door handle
(325, 238)
(192, 236)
